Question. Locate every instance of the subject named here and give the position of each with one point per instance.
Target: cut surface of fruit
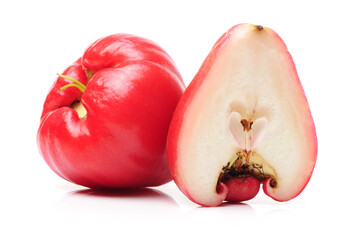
(245, 113)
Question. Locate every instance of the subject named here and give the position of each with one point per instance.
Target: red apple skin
(180, 114)
(129, 100)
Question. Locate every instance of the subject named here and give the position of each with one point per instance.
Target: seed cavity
(245, 165)
(246, 130)
(247, 125)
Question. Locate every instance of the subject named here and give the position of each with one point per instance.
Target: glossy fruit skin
(241, 189)
(132, 89)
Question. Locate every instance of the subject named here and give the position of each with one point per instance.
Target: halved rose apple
(243, 121)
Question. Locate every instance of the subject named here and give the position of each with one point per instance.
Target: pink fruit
(244, 116)
(241, 189)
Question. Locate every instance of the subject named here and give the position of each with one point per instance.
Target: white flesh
(253, 76)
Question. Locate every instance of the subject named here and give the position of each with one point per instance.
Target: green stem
(75, 83)
(72, 85)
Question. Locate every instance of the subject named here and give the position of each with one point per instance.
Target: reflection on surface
(130, 203)
(241, 205)
(124, 193)
(153, 206)
(232, 213)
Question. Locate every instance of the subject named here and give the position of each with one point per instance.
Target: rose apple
(244, 120)
(105, 120)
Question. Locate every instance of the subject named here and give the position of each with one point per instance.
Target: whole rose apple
(105, 120)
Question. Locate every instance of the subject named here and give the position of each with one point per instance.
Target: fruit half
(243, 121)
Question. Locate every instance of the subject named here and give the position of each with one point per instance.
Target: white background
(40, 39)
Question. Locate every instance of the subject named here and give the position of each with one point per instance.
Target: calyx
(77, 105)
